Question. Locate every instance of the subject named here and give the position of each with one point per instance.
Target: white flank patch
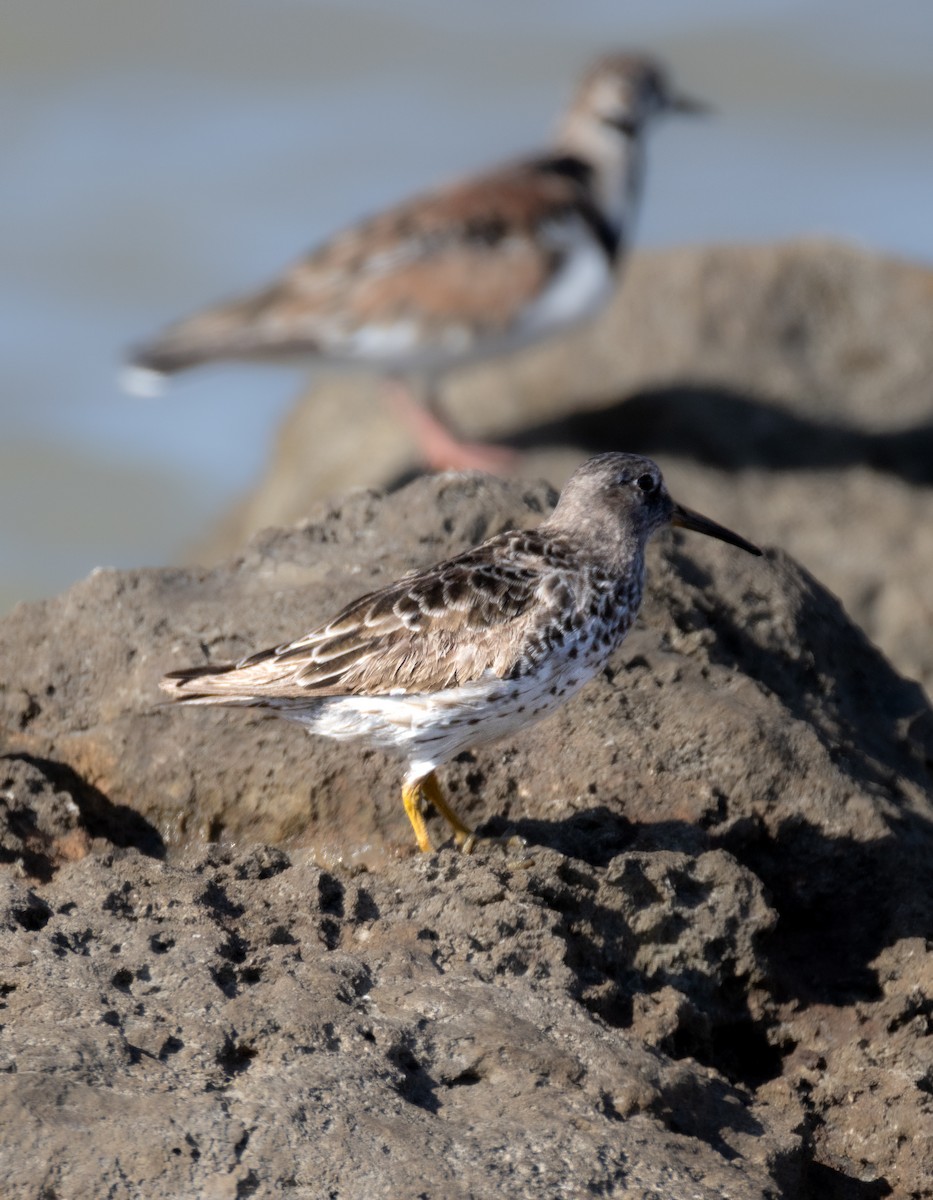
(578, 289)
(383, 342)
(143, 382)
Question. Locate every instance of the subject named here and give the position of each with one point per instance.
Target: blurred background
(159, 156)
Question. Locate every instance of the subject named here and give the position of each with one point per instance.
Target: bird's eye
(647, 483)
(621, 122)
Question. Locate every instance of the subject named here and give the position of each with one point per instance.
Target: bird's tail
(206, 685)
(236, 686)
(240, 329)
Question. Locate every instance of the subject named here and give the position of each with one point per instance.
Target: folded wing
(474, 615)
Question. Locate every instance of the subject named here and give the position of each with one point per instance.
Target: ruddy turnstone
(479, 267)
(477, 646)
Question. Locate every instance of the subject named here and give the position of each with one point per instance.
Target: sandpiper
(476, 647)
(482, 266)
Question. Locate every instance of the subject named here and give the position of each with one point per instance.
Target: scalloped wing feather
(475, 615)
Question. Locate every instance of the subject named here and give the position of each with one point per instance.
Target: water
(158, 156)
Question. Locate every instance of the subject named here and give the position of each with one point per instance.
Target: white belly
(431, 728)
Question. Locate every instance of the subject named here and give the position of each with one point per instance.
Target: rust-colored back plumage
(470, 255)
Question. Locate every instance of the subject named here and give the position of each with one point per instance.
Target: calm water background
(157, 155)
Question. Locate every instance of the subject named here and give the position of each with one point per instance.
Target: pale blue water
(156, 156)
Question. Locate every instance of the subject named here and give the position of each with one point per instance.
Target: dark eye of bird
(624, 124)
(647, 483)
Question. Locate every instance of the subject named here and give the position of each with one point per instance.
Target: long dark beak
(684, 518)
(688, 106)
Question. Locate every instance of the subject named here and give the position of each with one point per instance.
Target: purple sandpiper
(476, 647)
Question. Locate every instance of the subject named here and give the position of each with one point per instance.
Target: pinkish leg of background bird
(441, 449)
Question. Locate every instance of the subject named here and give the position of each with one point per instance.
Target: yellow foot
(429, 789)
(510, 844)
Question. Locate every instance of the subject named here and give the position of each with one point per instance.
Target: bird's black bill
(684, 518)
(688, 106)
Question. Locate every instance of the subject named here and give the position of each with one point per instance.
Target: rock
(709, 979)
(40, 825)
(247, 1025)
(785, 387)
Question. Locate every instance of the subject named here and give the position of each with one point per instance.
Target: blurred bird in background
(476, 268)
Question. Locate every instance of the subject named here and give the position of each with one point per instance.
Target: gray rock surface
(258, 1025)
(788, 388)
(712, 978)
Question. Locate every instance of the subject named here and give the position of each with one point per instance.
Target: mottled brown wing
(436, 629)
(472, 254)
(469, 256)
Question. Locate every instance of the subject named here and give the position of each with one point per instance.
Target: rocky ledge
(224, 973)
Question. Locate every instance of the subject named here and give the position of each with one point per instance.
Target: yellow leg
(463, 834)
(411, 798)
(430, 789)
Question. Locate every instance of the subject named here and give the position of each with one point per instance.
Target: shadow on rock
(52, 812)
(841, 902)
(826, 1183)
(727, 429)
(842, 899)
(836, 685)
(595, 836)
(706, 1112)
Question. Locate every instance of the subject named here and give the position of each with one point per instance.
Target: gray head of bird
(615, 502)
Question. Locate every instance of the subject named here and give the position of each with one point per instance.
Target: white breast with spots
(431, 728)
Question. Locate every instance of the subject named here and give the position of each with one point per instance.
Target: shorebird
(479, 267)
(476, 647)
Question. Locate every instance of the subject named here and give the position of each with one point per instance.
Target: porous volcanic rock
(708, 973)
(240, 1024)
(790, 386)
